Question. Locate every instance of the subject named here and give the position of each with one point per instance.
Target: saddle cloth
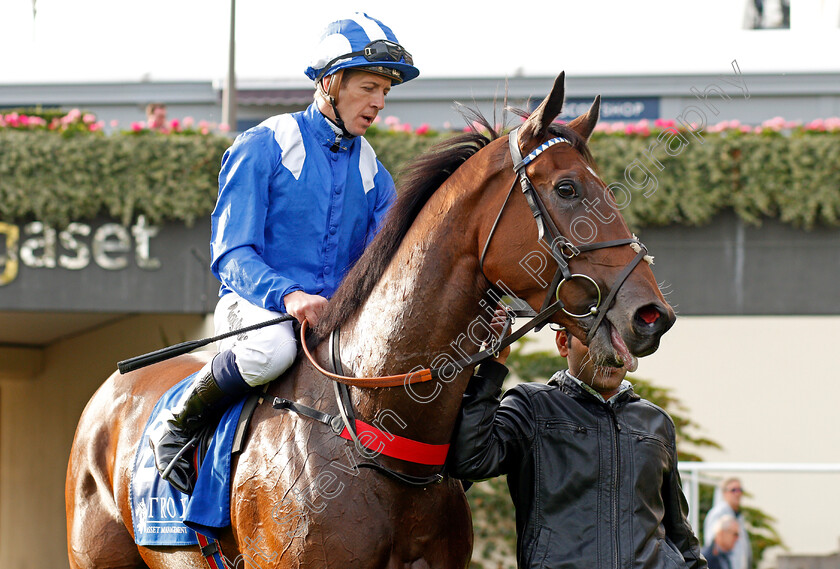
(160, 514)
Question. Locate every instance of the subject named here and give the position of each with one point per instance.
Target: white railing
(690, 472)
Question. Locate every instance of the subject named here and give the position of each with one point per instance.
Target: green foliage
(58, 179)
(793, 178)
(76, 171)
(395, 149)
(762, 533)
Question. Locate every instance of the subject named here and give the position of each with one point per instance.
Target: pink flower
(746, 128)
(629, 129)
(95, 127)
(137, 126)
(664, 123)
(37, 121)
(816, 124)
(224, 127)
(406, 127)
(776, 123)
(203, 124)
(422, 129)
(89, 118)
(175, 125)
(391, 120)
(204, 130)
(447, 125)
(115, 123)
(73, 115)
(378, 119)
(832, 123)
(189, 122)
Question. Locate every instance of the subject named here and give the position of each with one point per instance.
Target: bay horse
(460, 228)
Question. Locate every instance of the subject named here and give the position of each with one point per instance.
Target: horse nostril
(648, 314)
(651, 319)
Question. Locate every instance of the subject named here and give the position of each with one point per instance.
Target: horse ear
(585, 124)
(536, 126)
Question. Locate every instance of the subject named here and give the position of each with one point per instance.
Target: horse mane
(419, 179)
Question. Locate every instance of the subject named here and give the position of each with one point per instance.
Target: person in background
(300, 197)
(726, 533)
(591, 466)
(156, 116)
(728, 502)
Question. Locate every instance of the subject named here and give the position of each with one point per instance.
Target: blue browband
(539, 150)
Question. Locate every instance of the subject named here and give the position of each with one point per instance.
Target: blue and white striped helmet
(363, 42)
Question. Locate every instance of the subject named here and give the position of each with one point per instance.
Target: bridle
(563, 251)
(561, 248)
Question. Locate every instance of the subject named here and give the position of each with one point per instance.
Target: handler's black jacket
(595, 484)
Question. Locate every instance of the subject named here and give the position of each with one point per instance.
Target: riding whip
(137, 362)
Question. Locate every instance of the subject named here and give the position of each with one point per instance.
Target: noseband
(561, 248)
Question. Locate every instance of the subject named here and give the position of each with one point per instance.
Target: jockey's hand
(305, 306)
(498, 324)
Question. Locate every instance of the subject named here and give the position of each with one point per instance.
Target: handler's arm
(676, 523)
(491, 437)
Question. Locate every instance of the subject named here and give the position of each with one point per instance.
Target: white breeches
(261, 354)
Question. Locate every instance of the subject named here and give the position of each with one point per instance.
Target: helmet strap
(331, 94)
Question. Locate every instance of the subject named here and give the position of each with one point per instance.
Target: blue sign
(612, 108)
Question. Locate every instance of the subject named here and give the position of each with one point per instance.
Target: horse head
(587, 258)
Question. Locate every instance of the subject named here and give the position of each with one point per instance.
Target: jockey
(300, 197)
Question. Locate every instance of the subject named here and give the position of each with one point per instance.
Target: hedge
(792, 176)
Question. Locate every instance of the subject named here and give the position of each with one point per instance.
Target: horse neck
(417, 315)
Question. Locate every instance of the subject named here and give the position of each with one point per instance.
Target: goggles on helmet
(375, 51)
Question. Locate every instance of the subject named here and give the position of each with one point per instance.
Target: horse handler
(591, 466)
(300, 197)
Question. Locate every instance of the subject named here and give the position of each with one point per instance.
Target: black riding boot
(200, 403)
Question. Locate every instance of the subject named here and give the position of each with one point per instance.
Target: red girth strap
(396, 446)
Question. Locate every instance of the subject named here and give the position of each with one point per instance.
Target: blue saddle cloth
(160, 514)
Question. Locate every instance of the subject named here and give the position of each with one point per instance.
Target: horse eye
(566, 190)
